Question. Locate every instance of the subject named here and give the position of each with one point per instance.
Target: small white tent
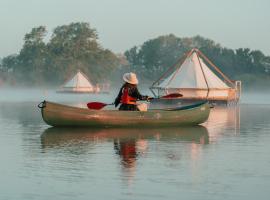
(78, 84)
(193, 78)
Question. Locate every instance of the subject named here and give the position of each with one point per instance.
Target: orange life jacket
(126, 99)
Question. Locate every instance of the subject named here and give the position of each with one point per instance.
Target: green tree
(155, 56)
(70, 48)
(74, 47)
(32, 57)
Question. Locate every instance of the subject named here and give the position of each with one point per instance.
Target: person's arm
(134, 92)
(118, 98)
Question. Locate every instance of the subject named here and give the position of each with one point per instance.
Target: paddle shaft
(100, 105)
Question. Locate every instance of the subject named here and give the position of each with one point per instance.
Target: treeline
(75, 46)
(70, 47)
(155, 56)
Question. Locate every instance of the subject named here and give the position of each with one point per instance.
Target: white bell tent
(78, 84)
(194, 79)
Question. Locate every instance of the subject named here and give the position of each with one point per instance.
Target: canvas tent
(193, 78)
(78, 84)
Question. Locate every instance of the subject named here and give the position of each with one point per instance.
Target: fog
(35, 95)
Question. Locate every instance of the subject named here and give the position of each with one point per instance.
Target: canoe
(55, 114)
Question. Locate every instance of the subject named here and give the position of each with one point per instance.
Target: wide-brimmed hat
(130, 78)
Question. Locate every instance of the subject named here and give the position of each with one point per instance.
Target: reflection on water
(60, 136)
(129, 144)
(225, 116)
(225, 158)
(222, 118)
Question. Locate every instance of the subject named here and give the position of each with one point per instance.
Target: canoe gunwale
(43, 105)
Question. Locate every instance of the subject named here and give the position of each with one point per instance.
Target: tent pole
(216, 68)
(208, 89)
(151, 89)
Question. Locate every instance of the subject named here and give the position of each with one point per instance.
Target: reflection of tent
(222, 118)
(78, 84)
(194, 79)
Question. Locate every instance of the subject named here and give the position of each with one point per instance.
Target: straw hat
(130, 78)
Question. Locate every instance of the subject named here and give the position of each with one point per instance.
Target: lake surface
(228, 157)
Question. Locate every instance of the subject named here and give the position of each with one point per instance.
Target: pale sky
(121, 24)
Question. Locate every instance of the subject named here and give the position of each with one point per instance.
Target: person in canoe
(129, 93)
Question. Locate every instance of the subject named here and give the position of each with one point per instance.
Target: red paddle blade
(96, 105)
(172, 95)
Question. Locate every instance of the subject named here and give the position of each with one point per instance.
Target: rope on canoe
(42, 104)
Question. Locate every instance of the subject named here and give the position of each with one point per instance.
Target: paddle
(97, 105)
(172, 95)
(100, 105)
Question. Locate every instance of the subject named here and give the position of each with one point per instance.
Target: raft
(59, 115)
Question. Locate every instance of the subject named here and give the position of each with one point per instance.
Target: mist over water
(38, 95)
(225, 158)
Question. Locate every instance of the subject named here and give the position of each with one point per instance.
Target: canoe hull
(61, 115)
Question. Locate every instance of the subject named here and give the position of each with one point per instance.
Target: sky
(122, 24)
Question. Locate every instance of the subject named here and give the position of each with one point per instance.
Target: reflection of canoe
(61, 115)
(60, 136)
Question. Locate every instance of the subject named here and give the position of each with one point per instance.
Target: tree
(36, 36)
(74, 47)
(70, 48)
(32, 57)
(74, 40)
(155, 56)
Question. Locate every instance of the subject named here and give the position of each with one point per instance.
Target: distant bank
(75, 47)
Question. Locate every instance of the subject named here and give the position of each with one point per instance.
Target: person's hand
(116, 104)
(149, 98)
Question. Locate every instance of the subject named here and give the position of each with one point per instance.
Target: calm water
(226, 158)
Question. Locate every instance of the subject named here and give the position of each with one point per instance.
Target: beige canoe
(55, 114)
